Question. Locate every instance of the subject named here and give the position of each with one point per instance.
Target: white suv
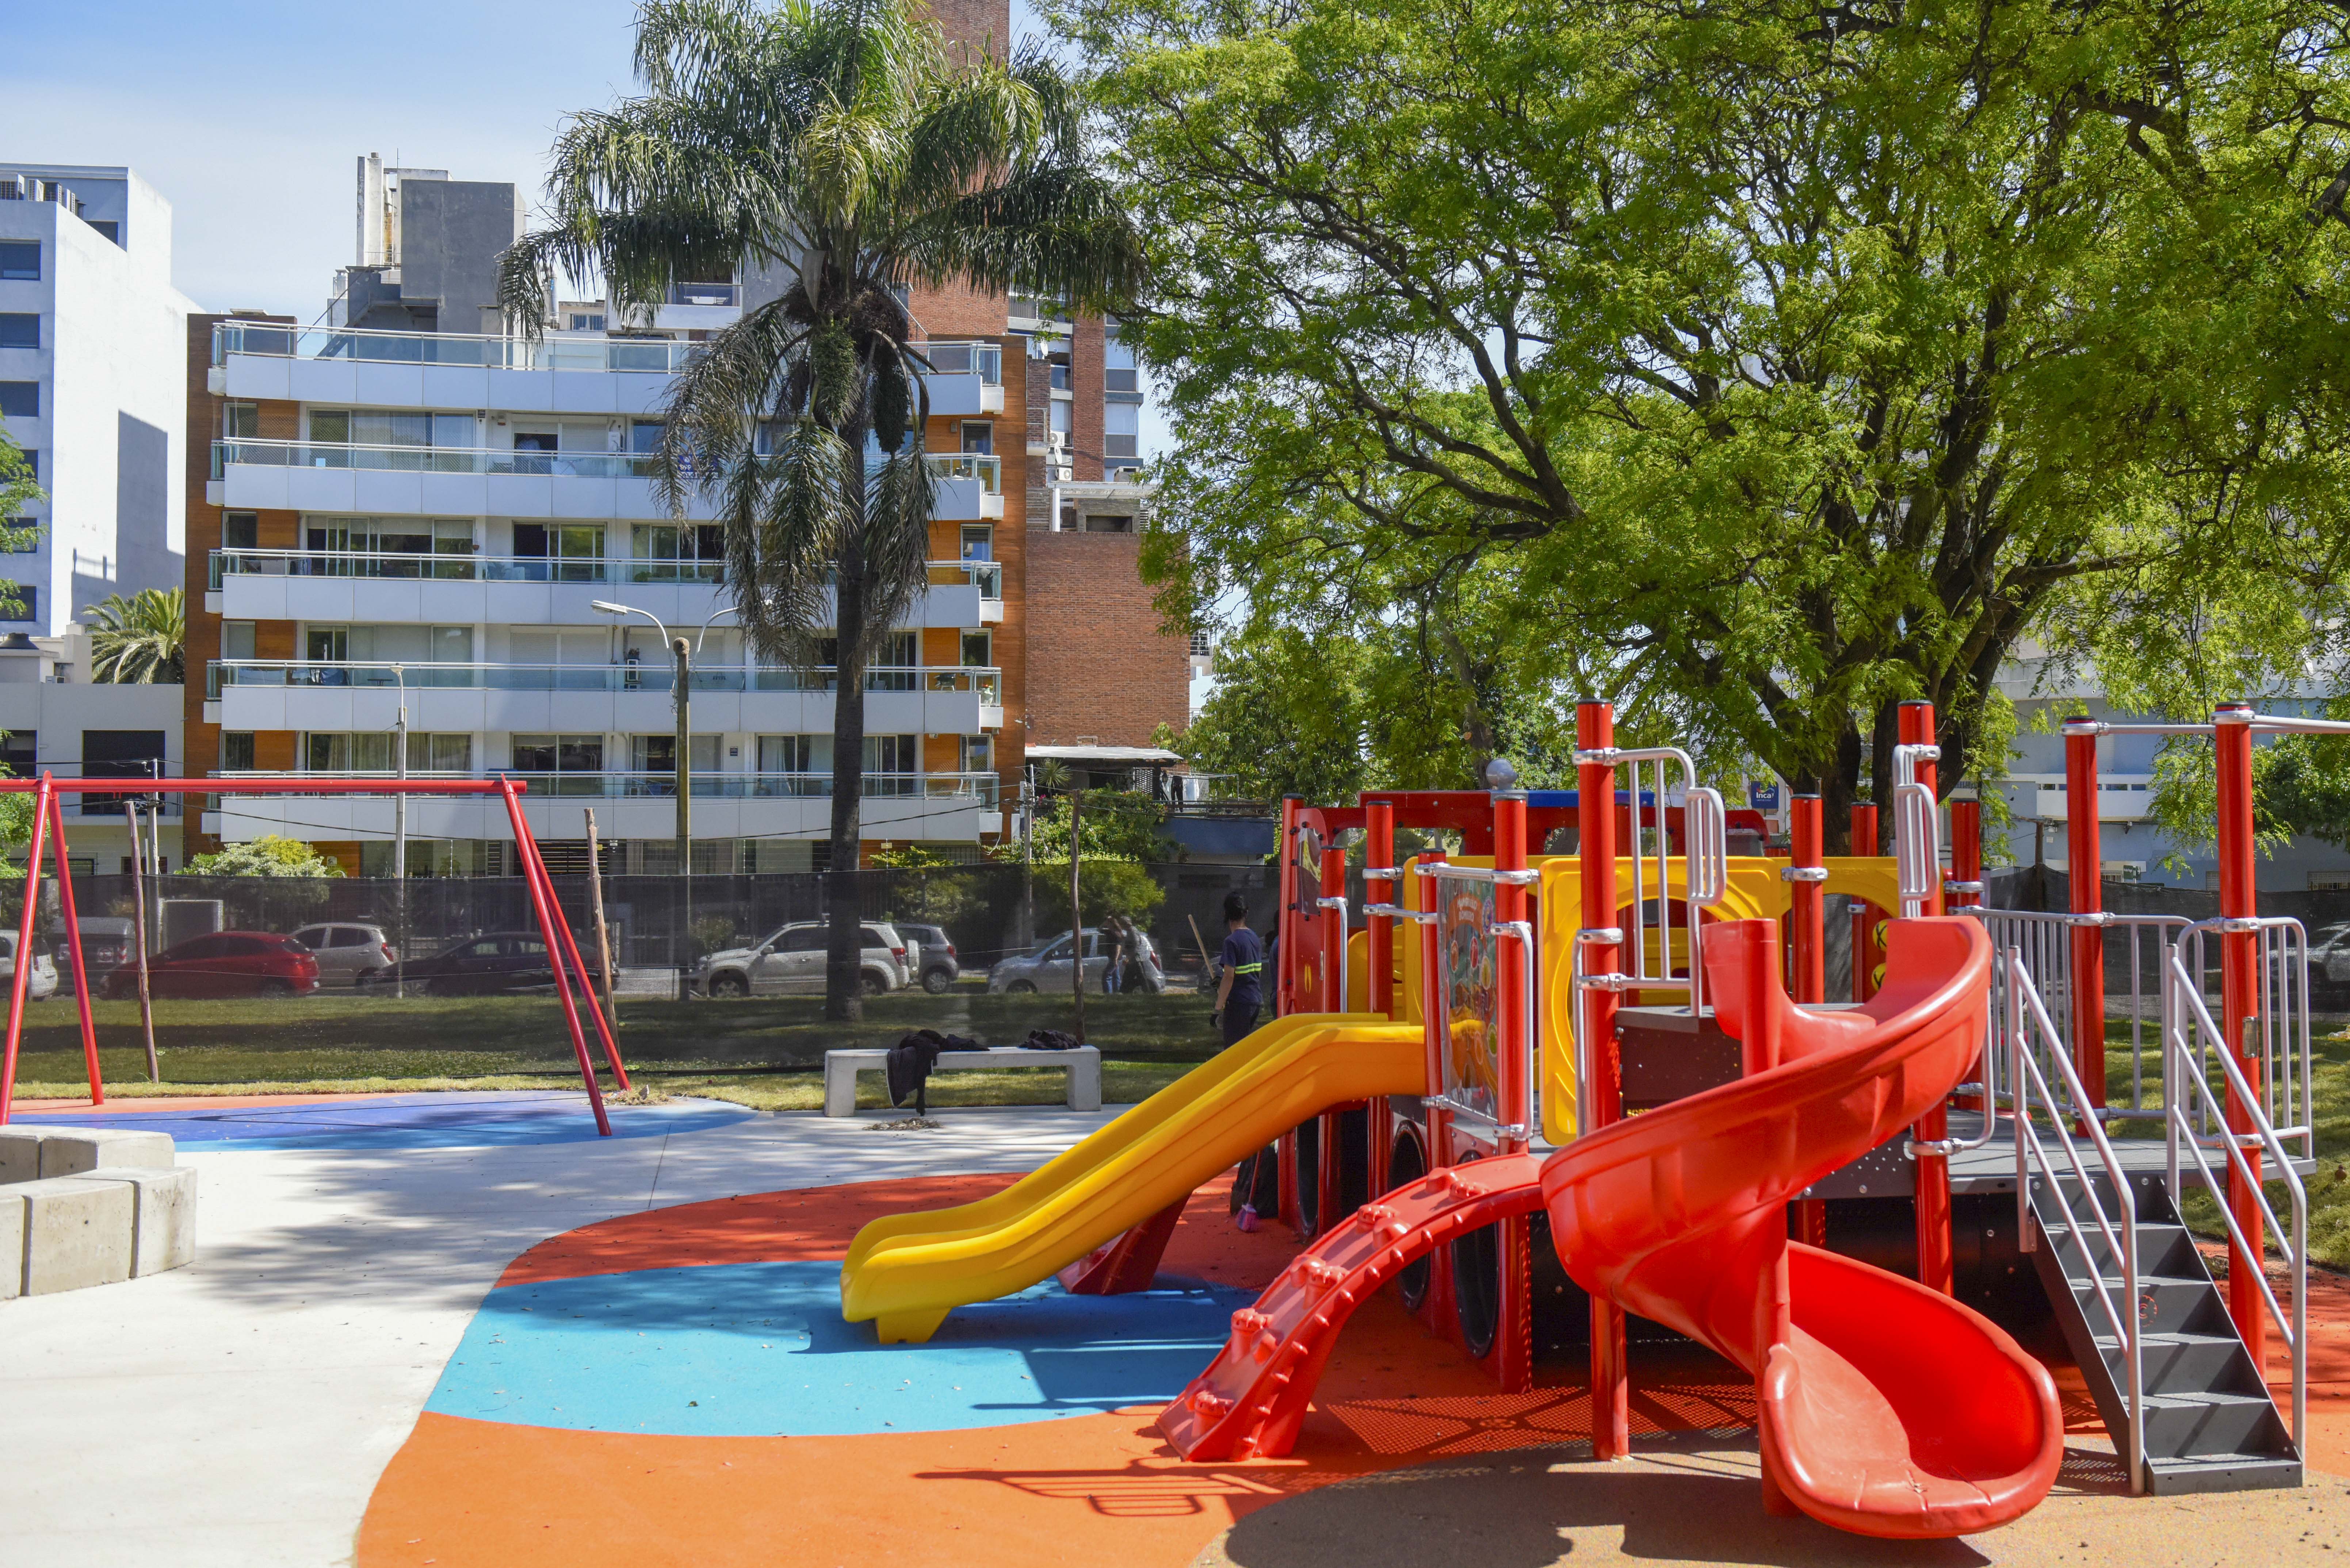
(791, 960)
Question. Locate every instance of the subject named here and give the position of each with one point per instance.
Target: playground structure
(1870, 1206)
(571, 977)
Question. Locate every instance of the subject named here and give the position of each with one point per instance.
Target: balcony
(616, 698)
(964, 378)
(527, 590)
(950, 806)
(502, 482)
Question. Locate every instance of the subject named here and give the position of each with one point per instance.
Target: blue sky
(247, 115)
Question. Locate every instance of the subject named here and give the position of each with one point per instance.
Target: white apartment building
(462, 526)
(93, 387)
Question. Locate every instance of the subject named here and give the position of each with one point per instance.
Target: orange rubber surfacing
(463, 1492)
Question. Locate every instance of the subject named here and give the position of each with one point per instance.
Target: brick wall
(976, 22)
(1098, 664)
(959, 312)
(1086, 419)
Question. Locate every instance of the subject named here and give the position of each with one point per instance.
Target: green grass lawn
(767, 1053)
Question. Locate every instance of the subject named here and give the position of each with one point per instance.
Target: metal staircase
(2186, 1402)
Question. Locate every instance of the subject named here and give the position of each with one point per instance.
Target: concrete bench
(90, 1205)
(1082, 1065)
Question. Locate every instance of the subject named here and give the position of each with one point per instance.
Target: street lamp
(683, 704)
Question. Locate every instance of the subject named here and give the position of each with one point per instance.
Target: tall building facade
(416, 542)
(91, 334)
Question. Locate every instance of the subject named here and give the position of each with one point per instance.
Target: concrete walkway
(239, 1411)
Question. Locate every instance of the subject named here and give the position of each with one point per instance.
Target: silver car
(1046, 968)
(792, 961)
(349, 954)
(41, 983)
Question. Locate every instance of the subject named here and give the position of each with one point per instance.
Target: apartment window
(119, 754)
(694, 542)
(658, 753)
(1060, 375)
(978, 753)
(1108, 522)
(1058, 419)
(346, 753)
(1121, 430)
(32, 463)
(241, 530)
(558, 753)
(20, 261)
(375, 427)
(20, 536)
(236, 638)
(21, 400)
(106, 227)
(1203, 646)
(19, 749)
(979, 436)
(787, 753)
(1118, 367)
(586, 321)
(978, 650)
(19, 330)
(19, 604)
(575, 553)
(978, 542)
(893, 754)
(242, 422)
(236, 751)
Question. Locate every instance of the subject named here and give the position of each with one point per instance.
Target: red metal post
(549, 918)
(1332, 918)
(1966, 852)
(44, 802)
(2084, 884)
(1935, 1263)
(2240, 996)
(1867, 947)
(1807, 900)
(1513, 1336)
(1378, 855)
(73, 949)
(1595, 732)
(1284, 922)
(534, 865)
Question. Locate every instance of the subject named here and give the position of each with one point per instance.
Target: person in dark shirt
(1240, 992)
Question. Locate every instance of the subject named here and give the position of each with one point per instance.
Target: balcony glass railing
(983, 360)
(977, 790)
(456, 568)
(705, 293)
(554, 351)
(987, 470)
(651, 675)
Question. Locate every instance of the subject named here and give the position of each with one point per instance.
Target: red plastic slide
(1250, 1400)
(1888, 1409)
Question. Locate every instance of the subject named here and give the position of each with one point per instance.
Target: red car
(226, 963)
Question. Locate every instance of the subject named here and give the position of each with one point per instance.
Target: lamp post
(399, 835)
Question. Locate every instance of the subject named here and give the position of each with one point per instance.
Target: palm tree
(142, 640)
(840, 145)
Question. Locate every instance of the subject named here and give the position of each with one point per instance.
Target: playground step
(2209, 1423)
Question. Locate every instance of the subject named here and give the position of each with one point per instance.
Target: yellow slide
(908, 1270)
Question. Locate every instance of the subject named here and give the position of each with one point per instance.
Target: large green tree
(1761, 364)
(844, 147)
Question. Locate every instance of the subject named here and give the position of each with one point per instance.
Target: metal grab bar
(2189, 1012)
(2031, 1151)
(1524, 930)
(2045, 940)
(1704, 856)
(2281, 1020)
(1339, 905)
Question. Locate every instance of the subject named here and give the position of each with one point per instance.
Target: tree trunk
(844, 997)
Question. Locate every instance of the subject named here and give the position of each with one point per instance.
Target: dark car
(937, 968)
(479, 966)
(105, 943)
(223, 963)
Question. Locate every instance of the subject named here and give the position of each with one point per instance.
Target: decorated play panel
(1555, 1149)
(436, 1120)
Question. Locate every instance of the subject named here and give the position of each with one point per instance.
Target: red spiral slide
(1886, 1409)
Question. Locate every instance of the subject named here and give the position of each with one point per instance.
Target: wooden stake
(603, 937)
(1077, 916)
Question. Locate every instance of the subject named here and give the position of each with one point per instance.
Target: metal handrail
(650, 676)
(2030, 1150)
(2287, 1056)
(1917, 854)
(1339, 905)
(1704, 855)
(618, 783)
(2190, 1011)
(1524, 930)
(2047, 944)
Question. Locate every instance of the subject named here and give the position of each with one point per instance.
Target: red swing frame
(49, 830)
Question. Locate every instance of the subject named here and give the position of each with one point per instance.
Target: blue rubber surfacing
(489, 1118)
(760, 1350)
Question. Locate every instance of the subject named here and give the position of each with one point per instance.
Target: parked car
(481, 965)
(1047, 967)
(221, 963)
(792, 961)
(105, 945)
(346, 952)
(41, 983)
(935, 965)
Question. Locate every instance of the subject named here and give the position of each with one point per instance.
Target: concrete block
(77, 1232)
(163, 1229)
(12, 1245)
(72, 1151)
(20, 1153)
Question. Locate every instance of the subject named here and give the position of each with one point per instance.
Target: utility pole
(1077, 916)
(684, 652)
